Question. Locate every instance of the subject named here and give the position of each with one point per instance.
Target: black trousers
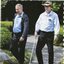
(18, 48)
(45, 38)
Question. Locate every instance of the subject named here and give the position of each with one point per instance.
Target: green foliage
(6, 24)
(3, 3)
(5, 37)
(61, 30)
(56, 6)
(27, 57)
(5, 34)
(59, 40)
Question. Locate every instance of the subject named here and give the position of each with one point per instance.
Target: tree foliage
(3, 3)
(55, 5)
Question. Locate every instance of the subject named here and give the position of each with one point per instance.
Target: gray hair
(20, 5)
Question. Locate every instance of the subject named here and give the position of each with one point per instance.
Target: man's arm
(56, 26)
(37, 26)
(26, 26)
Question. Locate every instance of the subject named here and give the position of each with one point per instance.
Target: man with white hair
(19, 33)
(48, 25)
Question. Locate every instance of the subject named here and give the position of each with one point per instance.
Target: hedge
(6, 23)
(5, 37)
(5, 34)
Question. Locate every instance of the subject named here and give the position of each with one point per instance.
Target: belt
(47, 32)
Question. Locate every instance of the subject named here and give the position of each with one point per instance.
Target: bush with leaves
(5, 38)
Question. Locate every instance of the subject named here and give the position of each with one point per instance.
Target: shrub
(6, 24)
(27, 57)
(5, 37)
(59, 40)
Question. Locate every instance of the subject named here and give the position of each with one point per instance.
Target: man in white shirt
(49, 26)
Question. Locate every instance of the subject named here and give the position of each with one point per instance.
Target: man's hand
(21, 39)
(55, 37)
(35, 34)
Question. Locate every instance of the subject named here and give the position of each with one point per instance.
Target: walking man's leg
(40, 45)
(50, 50)
(21, 52)
(14, 48)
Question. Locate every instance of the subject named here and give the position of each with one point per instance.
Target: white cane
(34, 45)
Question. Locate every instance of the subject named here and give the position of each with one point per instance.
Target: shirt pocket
(50, 19)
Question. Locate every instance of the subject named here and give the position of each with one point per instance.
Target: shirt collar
(20, 14)
(49, 14)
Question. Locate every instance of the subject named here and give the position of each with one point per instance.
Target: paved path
(58, 51)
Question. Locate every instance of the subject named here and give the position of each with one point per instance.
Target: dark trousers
(45, 38)
(18, 48)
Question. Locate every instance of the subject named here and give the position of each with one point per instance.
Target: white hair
(20, 5)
